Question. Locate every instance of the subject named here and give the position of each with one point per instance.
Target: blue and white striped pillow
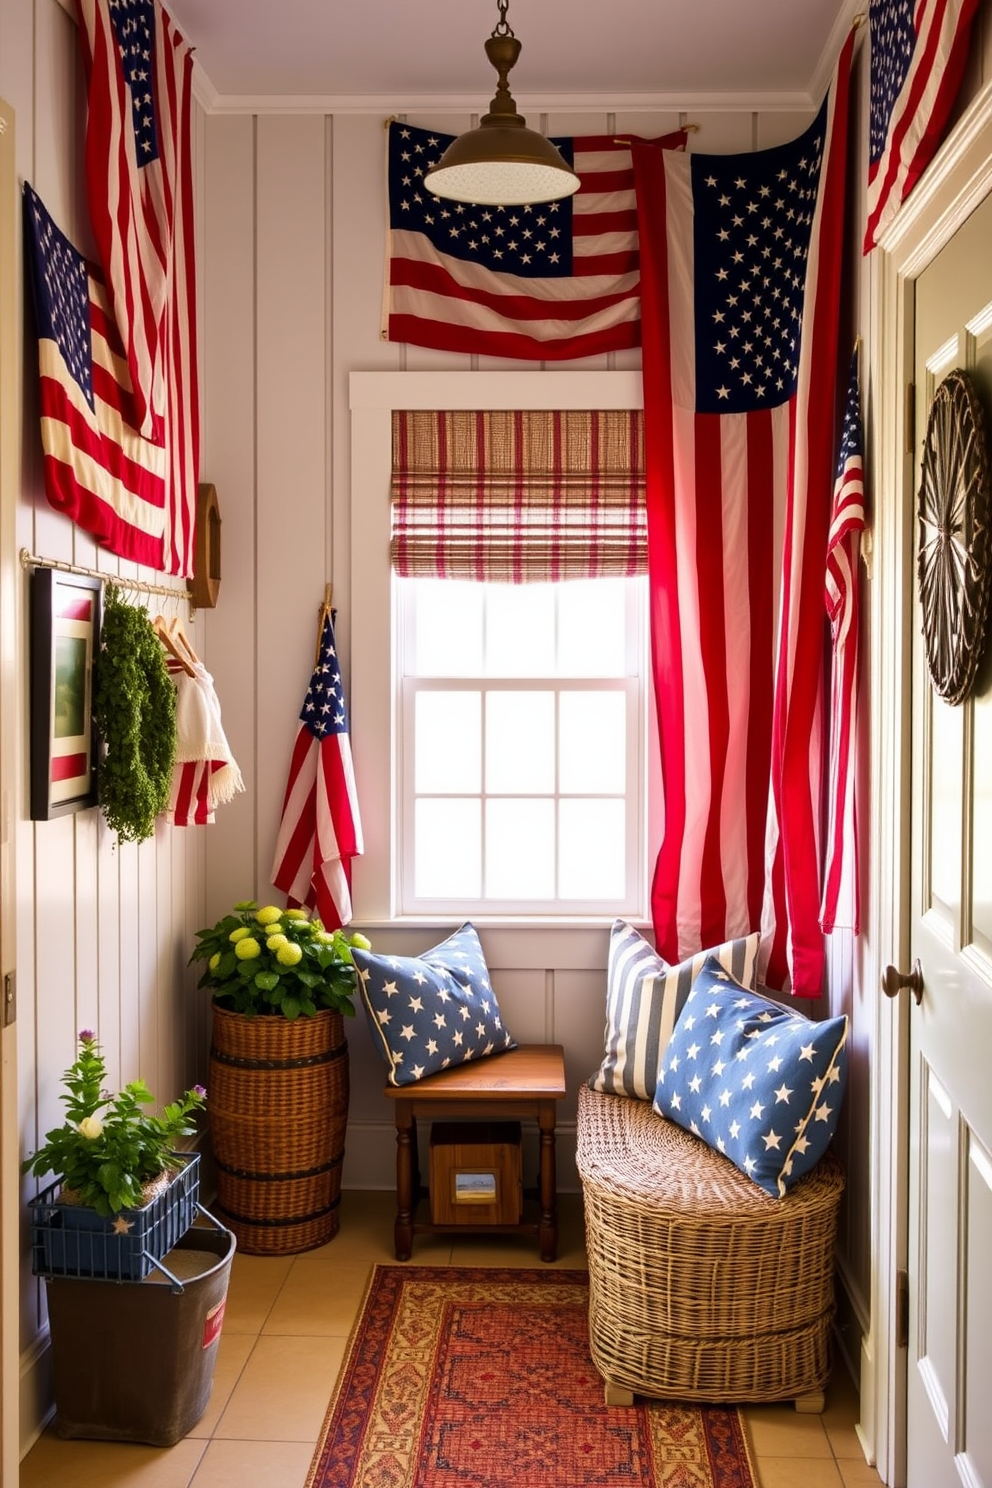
(644, 996)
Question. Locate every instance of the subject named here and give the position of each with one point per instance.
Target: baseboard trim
(37, 1406)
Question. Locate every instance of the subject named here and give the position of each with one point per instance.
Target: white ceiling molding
(828, 58)
(461, 104)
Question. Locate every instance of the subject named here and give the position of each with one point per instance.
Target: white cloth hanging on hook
(206, 774)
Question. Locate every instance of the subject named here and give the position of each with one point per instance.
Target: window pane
(448, 741)
(520, 630)
(520, 849)
(591, 850)
(447, 850)
(593, 741)
(447, 628)
(592, 628)
(520, 741)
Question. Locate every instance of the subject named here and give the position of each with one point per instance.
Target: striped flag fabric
(98, 468)
(840, 903)
(140, 195)
(547, 282)
(918, 53)
(741, 265)
(320, 831)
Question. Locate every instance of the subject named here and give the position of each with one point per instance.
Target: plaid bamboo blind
(516, 497)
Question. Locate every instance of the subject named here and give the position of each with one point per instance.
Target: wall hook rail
(129, 586)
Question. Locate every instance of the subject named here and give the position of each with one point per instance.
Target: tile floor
(285, 1331)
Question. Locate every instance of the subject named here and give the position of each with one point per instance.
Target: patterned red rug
(481, 1378)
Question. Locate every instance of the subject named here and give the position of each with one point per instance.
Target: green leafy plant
(277, 961)
(134, 704)
(109, 1150)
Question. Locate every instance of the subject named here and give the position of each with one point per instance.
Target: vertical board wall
(103, 930)
(294, 239)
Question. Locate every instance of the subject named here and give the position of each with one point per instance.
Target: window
(374, 631)
(520, 727)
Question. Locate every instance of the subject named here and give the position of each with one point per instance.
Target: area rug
(481, 1378)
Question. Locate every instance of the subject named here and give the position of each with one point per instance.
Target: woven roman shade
(513, 497)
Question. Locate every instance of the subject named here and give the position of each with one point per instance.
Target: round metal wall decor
(953, 512)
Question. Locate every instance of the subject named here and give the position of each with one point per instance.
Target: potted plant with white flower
(122, 1194)
(281, 986)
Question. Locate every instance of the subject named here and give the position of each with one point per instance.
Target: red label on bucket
(213, 1323)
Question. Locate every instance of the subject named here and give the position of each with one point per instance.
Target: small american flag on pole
(98, 468)
(321, 830)
(918, 52)
(840, 593)
(140, 195)
(540, 282)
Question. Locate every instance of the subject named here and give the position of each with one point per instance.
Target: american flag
(140, 193)
(98, 468)
(840, 903)
(741, 260)
(540, 282)
(918, 53)
(321, 830)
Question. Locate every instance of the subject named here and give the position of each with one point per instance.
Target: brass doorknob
(893, 981)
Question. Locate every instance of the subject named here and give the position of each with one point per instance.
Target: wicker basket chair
(701, 1286)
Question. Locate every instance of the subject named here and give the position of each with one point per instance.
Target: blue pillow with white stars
(432, 1011)
(760, 1083)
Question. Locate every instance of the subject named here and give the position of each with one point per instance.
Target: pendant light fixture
(502, 163)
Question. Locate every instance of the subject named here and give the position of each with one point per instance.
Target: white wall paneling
(103, 930)
(227, 359)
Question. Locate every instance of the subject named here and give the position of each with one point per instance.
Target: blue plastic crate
(72, 1240)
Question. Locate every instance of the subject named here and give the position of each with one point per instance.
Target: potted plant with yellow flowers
(282, 986)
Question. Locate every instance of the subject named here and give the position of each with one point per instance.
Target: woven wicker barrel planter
(278, 1112)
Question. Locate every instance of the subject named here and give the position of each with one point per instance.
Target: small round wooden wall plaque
(205, 583)
(953, 512)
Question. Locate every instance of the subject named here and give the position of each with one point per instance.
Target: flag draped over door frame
(320, 831)
(918, 54)
(740, 284)
(139, 177)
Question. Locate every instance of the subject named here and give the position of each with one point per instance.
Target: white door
(950, 1202)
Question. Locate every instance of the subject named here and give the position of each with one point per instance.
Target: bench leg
(811, 1404)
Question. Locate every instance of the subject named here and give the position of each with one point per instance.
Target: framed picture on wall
(65, 634)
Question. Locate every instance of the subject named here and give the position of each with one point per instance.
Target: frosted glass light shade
(502, 165)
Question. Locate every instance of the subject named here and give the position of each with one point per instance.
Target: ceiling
(373, 53)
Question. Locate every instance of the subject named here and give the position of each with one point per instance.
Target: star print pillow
(760, 1083)
(432, 1011)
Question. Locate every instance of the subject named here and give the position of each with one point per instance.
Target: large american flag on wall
(918, 53)
(539, 282)
(741, 261)
(98, 468)
(320, 831)
(140, 193)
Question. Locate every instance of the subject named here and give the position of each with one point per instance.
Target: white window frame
(629, 684)
(373, 398)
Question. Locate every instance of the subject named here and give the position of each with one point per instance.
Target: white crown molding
(385, 104)
(824, 70)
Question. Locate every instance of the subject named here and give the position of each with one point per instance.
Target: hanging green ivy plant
(134, 705)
